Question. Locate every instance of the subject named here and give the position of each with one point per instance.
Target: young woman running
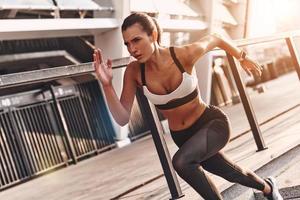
(199, 130)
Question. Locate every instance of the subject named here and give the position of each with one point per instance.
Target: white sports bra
(187, 86)
(185, 92)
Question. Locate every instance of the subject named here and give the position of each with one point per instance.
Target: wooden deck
(119, 170)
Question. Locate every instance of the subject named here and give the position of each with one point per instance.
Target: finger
(95, 57)
(95, 61)
(259, 72)
(100, 55)
(109, 63)
(98, 59)
(248, 71)
(257, 66)
(96, 65)
(95, 54)
(259, 69)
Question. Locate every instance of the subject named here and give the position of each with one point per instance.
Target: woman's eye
(136, 39)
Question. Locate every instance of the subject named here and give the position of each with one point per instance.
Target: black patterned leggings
(199, 148)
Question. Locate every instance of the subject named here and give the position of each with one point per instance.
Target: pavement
(135, 170)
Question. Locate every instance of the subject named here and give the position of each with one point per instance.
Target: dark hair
(148, 23)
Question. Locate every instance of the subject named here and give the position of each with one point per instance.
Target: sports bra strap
(178, 64)
(143, 73)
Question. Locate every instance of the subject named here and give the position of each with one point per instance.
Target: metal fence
(45, 129)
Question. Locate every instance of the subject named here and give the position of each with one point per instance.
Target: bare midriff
(184, 116)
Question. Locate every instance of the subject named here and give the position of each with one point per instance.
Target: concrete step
(291, 193)
(284, 168)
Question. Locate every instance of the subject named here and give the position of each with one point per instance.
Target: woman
(199, 130)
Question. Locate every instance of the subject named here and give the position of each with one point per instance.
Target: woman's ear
(154, 36)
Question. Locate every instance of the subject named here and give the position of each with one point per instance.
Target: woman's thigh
(206, 142)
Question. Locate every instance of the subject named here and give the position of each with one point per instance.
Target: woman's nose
(133, 49)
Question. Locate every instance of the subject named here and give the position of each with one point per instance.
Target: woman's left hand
(251, 67)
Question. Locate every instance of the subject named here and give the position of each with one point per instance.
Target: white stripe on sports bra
(188, 84)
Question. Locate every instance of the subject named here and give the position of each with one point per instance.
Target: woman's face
(139, 44)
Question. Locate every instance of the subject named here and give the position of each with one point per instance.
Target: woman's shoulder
(184, 55)
(133, 71)
(133, 67)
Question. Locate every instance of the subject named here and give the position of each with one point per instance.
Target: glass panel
(77, 5)
(27, 4)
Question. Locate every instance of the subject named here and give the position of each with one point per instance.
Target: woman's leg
(205, 143)
(220, 165)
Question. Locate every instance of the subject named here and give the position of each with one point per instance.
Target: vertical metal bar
(5, 157)
(11, 149)
(247, 105)
(37, 135)
(161, 147)
(48, 133)
(44, 135)
(293, 51)
(61, 130)
(80, 130)
(20, 150)
(105, 119)
(235, 95)
(64, 124)
(57, 135)
(3, 180)
(86, 119)
(83, 88)
(28, 140)
(43, 143)
(68, 113)
(33, 139)
(24, 147)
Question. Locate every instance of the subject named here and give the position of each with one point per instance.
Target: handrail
(266, 39)
(49, 74)
(288, 37)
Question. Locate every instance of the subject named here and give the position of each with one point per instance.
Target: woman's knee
(179, 162)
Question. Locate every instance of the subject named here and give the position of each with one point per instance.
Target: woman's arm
(209, 42)
(120, 108)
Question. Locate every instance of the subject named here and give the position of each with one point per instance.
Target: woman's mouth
(138, 56)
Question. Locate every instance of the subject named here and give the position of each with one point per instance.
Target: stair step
(291, 193)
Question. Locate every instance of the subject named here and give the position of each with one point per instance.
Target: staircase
(286, 170)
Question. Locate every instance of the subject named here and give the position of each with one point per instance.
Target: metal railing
(13, 80)
(46, 129)
(288, 37)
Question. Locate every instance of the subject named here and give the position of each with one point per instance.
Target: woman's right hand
(103, 70)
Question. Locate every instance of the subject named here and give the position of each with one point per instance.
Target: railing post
(58, 134)
(293, 51)
(247, 105)
(161, 147)
(86, 119)
(64, 124)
